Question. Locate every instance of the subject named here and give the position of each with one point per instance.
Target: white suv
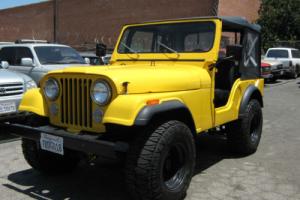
(37, 58)
(12, 87)
(289, 57)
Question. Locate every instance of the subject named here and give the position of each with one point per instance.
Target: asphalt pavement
(272, 173)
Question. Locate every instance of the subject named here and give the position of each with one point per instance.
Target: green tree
(280, 20)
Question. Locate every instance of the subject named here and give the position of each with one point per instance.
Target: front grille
(11, 89)
(76, 103)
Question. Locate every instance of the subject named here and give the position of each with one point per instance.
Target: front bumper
(12, 117)
(277, 73)
(83, 142)
(267, 76)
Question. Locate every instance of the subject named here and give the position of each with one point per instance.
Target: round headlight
(51, 89)
(101, 92)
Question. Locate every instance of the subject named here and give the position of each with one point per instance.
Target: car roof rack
(29, 41)
(6, 42)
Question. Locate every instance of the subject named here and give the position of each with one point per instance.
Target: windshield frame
(173, 51)
(195, 57)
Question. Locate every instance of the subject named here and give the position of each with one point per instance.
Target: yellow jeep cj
(167, 82)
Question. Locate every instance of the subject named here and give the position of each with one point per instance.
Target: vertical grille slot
(76, 104)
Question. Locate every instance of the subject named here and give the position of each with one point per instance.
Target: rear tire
(161, 162)
(295, 75)
(243, 135)
(48, 162)
(273, 79)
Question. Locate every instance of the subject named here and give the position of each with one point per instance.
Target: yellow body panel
(186, 77)
(120, 111)
(230, 111)
(33, 101)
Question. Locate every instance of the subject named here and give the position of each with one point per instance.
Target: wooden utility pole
(55, 21)
(215, 8)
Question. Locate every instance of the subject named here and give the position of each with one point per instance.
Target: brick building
(81, 21)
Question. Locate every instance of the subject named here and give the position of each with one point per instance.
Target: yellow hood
(146, 79)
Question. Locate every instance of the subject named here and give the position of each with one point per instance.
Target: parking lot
(271, 173)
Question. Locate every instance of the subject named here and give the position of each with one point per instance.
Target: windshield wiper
(169, 48)
(130, 49)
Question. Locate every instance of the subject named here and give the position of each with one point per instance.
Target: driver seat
(226, 75)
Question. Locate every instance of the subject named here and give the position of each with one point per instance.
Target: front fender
(125, 109)
(146, 114)
(129, 110)
(34, 102)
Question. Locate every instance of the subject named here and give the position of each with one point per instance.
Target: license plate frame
(52, 143)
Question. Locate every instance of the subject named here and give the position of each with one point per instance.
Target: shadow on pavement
(272, 82)
(102, 181)
(86, 182)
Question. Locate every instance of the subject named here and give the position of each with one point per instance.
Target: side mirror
(234, 51)
(4, 64)
(100, 50)
(27, 62)
(87, 61)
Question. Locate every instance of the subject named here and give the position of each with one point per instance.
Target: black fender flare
(250, 93)
(146, 113)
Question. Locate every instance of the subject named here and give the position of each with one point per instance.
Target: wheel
(243, 135)
(48, 162)
(161, 162)
(294, 75)
(274, 79)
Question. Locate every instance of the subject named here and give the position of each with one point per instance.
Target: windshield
(168, 38)
(278, 54)
(58, 55)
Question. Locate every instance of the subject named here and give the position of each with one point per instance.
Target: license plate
(8, 107)
(52, 143)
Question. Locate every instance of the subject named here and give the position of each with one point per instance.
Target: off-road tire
(149, 162)
(273, 79)
(243, 135)
(294, 75)
(47, 162)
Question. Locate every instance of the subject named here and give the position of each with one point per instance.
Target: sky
(14, 3)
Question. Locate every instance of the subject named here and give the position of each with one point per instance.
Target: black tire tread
(145, 151)
(237, 135)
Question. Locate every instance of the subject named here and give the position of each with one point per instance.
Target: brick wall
(34, 21)
(85, 21)
(244, 8)
(89, 20)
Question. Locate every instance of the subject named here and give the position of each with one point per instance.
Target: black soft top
(240, 23)
(230, 22)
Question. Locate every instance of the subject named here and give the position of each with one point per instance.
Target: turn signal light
(152, 102)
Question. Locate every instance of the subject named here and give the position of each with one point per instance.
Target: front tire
(47, 162)
(244, 135)
(161, 162)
